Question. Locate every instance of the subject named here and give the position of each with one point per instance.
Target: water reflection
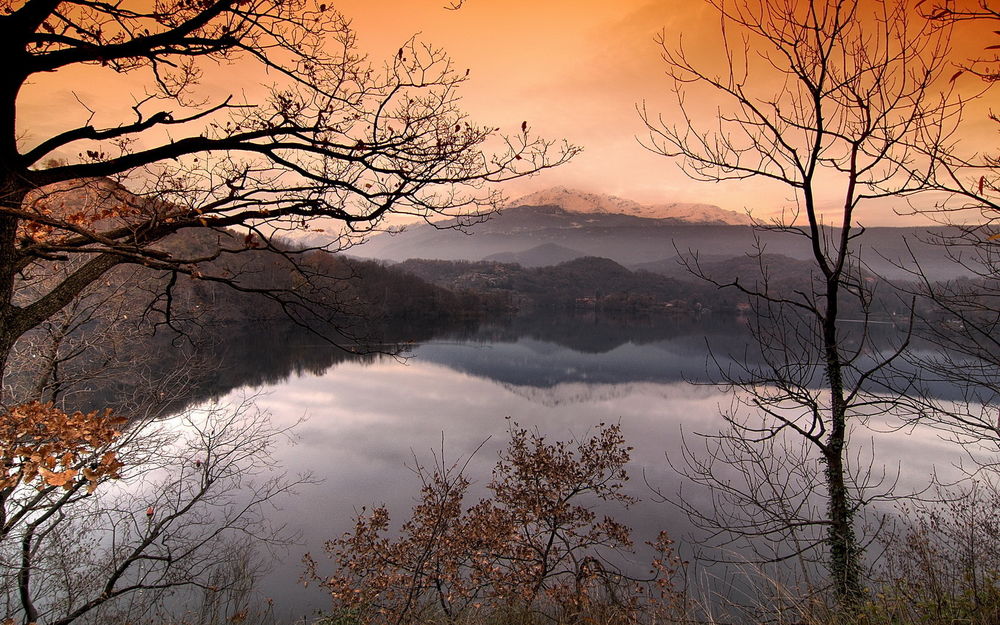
(367, 419)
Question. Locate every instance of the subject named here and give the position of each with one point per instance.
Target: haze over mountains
(558, 225)
(575, 201)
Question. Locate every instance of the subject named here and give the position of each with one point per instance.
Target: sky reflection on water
(365, 423)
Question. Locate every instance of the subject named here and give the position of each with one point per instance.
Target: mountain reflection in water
(368, 418)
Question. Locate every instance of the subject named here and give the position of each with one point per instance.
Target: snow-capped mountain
(553, 226)
(576, 201)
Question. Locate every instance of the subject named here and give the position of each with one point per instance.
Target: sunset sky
(574, 70)
(577, 69)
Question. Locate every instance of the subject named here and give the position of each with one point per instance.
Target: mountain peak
(576, 201)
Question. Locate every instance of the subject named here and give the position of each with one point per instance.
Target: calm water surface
(366, 421)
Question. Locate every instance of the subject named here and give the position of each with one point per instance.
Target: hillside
(542, 256)
(776, 270)
(237, 276)
(587, 283)
(574, 201)
(600, 284)
(319, 286)
(536, 235)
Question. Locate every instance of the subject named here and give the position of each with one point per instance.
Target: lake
(367, 419)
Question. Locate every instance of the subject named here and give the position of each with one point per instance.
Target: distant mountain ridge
(544, 255)
(576, 201)
(549, 234)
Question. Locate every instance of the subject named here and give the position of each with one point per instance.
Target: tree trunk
(844, 552)
(845, 567)
(8, 263)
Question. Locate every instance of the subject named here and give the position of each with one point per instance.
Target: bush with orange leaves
(44, 446)
(535, 545)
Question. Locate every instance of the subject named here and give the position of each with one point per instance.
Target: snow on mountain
(576, 201)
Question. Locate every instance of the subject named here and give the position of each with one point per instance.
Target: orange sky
(574, 69)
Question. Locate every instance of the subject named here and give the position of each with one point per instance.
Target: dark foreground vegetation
(113, 227)
(534, 549)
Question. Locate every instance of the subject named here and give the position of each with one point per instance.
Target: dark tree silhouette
(825, 98)
(195, 185)
(333, 136)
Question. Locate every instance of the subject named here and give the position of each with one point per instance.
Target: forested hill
(588, 282)
(249, 316)
(602, 284)
(271, 283)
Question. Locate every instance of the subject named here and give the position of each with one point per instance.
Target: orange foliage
(535, 543)
(41, 444)
(55, 210)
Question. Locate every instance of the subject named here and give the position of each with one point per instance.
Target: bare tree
(332, 141)
(953, 381)
(824, 98)
(160, 507)
(78, 347)
(334, 136)
(976, 13)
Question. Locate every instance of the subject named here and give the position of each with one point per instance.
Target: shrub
(535, 545)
